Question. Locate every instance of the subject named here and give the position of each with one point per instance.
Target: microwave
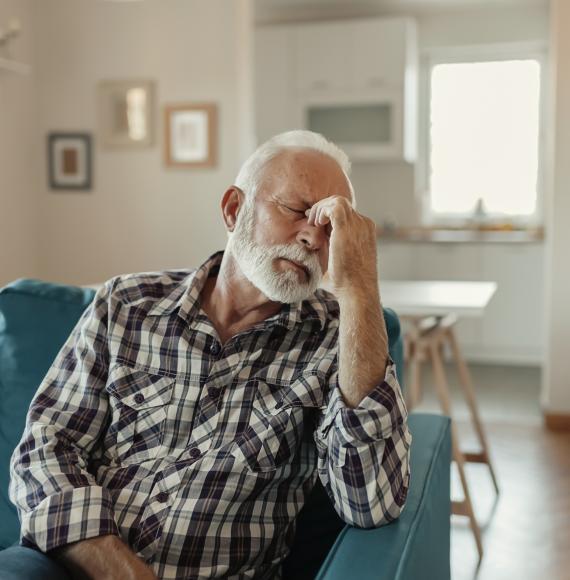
(366, 128)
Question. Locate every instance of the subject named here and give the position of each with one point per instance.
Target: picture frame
(70, 161)
(190, 135)
(126, 113)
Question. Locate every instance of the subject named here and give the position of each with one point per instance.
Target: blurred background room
(122, 122)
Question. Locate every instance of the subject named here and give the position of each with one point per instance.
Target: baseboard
(480, 356)
(557, 422)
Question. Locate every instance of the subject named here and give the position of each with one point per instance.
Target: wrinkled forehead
(305, 175)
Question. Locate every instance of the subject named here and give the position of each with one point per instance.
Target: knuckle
(337, 212)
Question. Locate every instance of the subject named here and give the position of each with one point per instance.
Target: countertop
(461, 235)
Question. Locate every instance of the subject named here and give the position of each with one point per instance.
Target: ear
(232, 202)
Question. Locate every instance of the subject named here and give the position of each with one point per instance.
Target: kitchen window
(482, 148)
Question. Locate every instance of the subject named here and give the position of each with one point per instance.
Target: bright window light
(484, 137)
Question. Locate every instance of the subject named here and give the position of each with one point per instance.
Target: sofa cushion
(35, 320)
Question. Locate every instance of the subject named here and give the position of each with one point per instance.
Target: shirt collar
(185, 298)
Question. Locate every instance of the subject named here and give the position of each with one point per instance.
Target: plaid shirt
(200, 455)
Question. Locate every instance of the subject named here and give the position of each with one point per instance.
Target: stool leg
(465, 507)
(467, 386)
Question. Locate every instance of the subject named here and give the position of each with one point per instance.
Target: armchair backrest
(35, 320)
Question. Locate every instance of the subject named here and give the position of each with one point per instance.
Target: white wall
(18, 155)
(139, 216)
(556, 377)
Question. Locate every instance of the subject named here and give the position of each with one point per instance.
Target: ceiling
(403, 4)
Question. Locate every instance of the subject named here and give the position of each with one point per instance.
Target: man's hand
(352, 247)
(363, 341)
(102, 558)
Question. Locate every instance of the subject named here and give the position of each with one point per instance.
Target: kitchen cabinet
(384, 50)
(512, 328)
(355, 56)
(514, 320)
(353, 81)
(324, 57)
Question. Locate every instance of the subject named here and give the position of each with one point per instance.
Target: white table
(437, 298)
(433, 308)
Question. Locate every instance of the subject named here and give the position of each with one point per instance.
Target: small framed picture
(126, 113)
(69, 158)
(191, 135)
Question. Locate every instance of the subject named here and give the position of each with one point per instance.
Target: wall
(556, 376)
(18, 154)
(139, 216)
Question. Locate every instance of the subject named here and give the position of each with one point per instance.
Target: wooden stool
(426, 341)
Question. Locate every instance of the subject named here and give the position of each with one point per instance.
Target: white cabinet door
(514, 320)
(448, 262)
(274, 81)
(453, 262)
(380, 47)
(395, 261)
(323, 57)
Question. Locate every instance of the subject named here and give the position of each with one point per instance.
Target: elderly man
(188, 416)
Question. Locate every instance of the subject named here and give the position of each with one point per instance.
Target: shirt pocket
(139, 401)
(279, 418)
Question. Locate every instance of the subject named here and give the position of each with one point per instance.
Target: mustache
(298, 254)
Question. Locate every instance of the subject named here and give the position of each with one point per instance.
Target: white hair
(248, 177)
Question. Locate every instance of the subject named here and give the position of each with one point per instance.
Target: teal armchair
(36, 318)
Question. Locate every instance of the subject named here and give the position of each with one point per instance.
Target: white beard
(256, 262)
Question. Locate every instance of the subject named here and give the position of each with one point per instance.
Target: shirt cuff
(377, 416)
(69, 516)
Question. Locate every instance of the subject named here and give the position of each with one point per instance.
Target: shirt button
(195, 453)
(162, 497)
(215, 349)
(139, 398)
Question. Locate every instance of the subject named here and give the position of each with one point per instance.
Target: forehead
(303, 175)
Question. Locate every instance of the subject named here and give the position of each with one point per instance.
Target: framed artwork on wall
(190, 135)
(126, 113)
(69, 161)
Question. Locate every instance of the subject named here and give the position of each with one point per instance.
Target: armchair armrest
(417, 544)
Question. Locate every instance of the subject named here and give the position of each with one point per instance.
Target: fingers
(329, 210)
(322, 216)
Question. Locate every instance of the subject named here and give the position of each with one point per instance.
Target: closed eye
(299, 211)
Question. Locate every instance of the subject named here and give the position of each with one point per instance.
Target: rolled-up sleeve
(363, 453)
(57, 499)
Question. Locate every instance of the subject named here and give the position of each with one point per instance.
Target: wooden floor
(526, 531)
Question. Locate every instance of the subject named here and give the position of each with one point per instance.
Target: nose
(313, 237)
